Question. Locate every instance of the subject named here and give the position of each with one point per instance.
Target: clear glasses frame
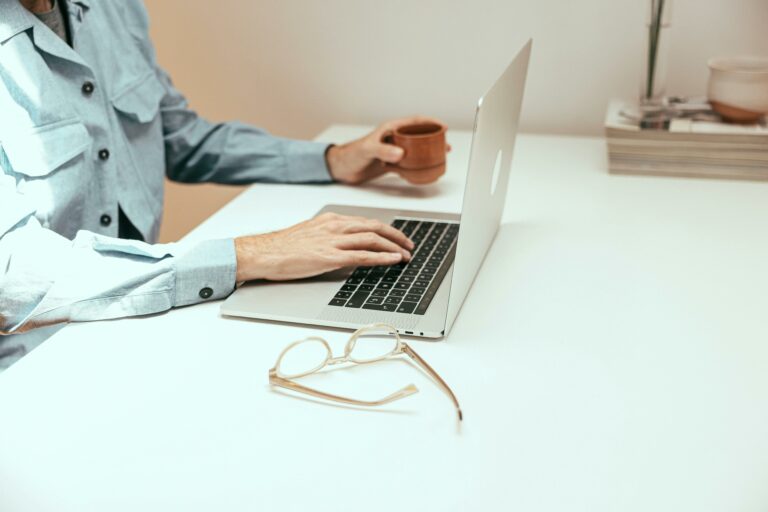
(276, 378)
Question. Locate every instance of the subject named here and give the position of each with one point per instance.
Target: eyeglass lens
(306, 357)
(373, 344)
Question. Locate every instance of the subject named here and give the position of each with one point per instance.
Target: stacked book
(697, 145)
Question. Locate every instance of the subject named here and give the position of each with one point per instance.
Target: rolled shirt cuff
(206, 272)
(305, 162)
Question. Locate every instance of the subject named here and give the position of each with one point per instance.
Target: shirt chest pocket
(45, 150)
(138, 113)
(50, 168)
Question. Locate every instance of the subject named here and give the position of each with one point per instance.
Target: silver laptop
(422, 297)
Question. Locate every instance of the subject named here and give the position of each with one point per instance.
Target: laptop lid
(490, 161)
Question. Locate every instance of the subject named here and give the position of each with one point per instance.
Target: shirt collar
(17, 19)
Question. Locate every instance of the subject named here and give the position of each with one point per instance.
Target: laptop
(423, 296)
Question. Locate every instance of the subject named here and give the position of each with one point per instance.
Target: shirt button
(206, 293)
(104, 154)
(106, 220)
(88, 88)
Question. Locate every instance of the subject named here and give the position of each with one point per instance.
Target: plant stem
(654, 31)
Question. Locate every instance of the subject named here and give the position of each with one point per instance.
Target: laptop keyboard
(406, 287)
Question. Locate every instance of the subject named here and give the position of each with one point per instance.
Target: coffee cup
(424, 149)
(738, 88)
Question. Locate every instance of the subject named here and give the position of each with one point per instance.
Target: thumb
(388, 153)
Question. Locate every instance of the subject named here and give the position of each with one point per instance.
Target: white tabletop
(611, 355)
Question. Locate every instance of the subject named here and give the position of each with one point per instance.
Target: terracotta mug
(424, 146)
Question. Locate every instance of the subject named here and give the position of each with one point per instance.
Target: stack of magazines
(695, 144)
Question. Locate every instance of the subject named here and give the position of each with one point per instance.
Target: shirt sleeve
(47, 279)
(232, 153)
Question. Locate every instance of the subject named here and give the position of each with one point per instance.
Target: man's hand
(322, 244)
(370, 157)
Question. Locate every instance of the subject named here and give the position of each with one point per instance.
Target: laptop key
(402, 286)
(412, 298)
(416, 290)
(337, 302)
(406, 307)
(431, 291)
(357, 300)
(421, 283)
(365, 287)
(343, 295)
(397, 293)
(375, 300)
(354, 281)
(348, 288)
(380, 307)
(379, 293)
(384, 286)
(410, 226)
(392, 300)
(427, 247)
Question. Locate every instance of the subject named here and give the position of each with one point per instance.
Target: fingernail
(395, 152)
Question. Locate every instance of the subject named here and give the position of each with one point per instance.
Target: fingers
(371, 242)
(361, 225)
(388, 153)
(367, 258)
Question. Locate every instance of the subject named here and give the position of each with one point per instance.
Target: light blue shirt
(86, 128)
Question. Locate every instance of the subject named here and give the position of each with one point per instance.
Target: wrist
(248, 257)
(333, 161)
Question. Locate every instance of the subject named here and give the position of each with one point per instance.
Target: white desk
(612, 355)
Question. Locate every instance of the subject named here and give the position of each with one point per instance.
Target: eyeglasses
(366, 345)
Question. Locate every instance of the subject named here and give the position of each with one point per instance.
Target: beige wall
(294, 66)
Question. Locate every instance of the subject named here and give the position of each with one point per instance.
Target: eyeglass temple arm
(282, 382)
(421, 362)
